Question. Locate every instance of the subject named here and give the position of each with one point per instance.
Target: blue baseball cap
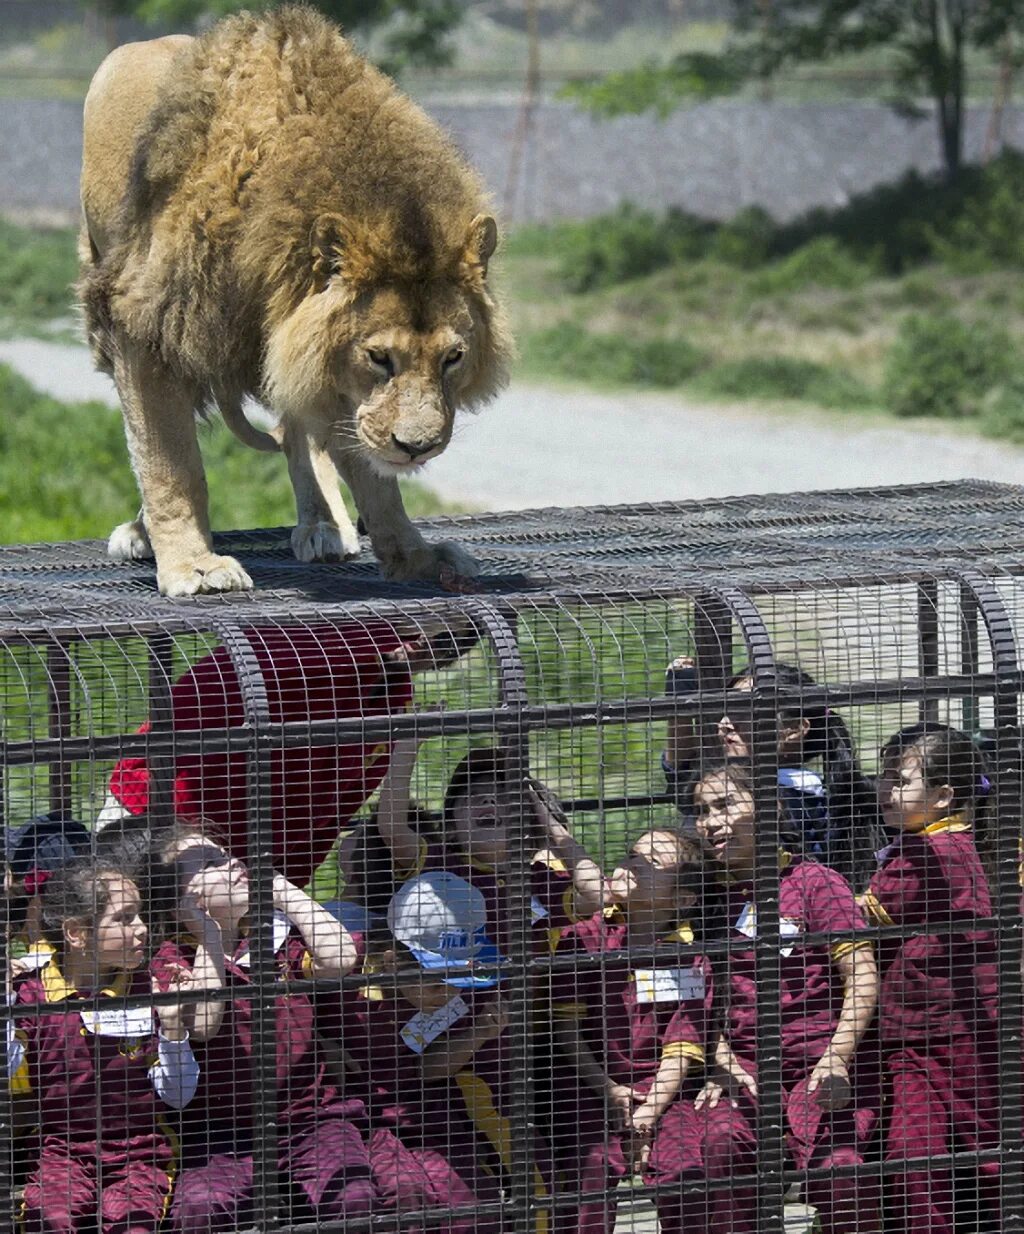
(442, 920)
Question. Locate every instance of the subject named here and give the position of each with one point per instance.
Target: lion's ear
(481, 242)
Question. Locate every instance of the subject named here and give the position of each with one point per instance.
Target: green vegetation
(37, 268)
(907, 300)
(64, 472)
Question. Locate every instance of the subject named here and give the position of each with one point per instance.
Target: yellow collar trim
(56, 988)
(955, 823)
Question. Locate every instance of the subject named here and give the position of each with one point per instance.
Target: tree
(414, 32)
(927, 40)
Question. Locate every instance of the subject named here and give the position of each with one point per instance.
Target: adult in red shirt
(937, 1008)
(629, 1033)
(101, 1082)
(828, 996)
(321, 1150)
(320, 672)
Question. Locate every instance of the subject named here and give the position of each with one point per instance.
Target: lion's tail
(234, 417)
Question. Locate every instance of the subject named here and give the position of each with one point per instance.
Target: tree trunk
(1003, 92)
(949, 85)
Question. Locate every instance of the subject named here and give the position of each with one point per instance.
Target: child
(354, 669)
(107, 1155)
(475, 842)
(630, 1033)
(429, 1054)
(828, 996)
(321, 1152)
(835, 812)
(34, 852)
(937, 1003)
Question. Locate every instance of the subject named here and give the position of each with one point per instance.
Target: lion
(265, 215)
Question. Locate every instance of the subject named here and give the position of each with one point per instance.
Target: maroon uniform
(550, 887)
(813, 899)
(107, 1154)
(440, 1144)
(322, 1151)
(631, 1018)
(936, 1015)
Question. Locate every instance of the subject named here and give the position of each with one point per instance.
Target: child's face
(119, 936)
(481, 824)
(218, 882)
(906, 801)
(650, 874)
(725, 820)
(737, 738)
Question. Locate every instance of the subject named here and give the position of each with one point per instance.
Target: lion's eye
(381, 360)
(453, 357)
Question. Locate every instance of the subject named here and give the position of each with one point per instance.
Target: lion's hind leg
(323, 529)
(159, 421)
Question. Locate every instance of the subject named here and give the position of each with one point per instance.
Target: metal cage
(272, 720)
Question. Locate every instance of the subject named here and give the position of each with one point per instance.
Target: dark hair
(35, 851)
(854, 826)
(486, 768)
(373, 862)
(79, 891)
(126, 843)
(947, 756)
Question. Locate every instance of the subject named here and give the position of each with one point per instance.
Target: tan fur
(264, 214)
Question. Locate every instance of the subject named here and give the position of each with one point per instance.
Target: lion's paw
(129, 542)
(206, 574)
(431, 563)
(324, 542)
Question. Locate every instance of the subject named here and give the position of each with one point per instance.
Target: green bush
(568, 350)
(746, 240)
(37, 268)
(1002, 413)
(941, 366)
(778, 377)
(822, 262)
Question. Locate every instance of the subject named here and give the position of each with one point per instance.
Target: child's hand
(192, 914)
(493, 1020)
(170, 1016)
(830, 1082)
(621, 1102)
(681, 676)
(645, 1119)
(282, 891)
(710, 1095)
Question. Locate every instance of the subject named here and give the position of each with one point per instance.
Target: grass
(37, 268)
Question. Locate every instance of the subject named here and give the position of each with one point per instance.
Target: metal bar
(160, 654)
(512, 684)
(263, 966)
(712, 637)
(302, 733)
(928, 641)
(969, 659)
(58, 694)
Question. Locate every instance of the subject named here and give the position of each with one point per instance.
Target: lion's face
(387, 368)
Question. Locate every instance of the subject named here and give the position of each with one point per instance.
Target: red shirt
(813, 899)
(222, 1111)
(311, 673)
(632, 1018)
(89, 1087)
(934, 984)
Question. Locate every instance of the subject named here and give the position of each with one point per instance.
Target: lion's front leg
(403, 553)
(159, 421)
(323, 530)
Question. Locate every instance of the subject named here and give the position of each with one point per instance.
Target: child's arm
(830, 1076)
(729, 1076)
(175, 1074)
(672, 1071)
(331, 948)
(681, 744)
(453, 1052)
(202, 1019)
(403, 841)
(620, 1097)
(589, 890)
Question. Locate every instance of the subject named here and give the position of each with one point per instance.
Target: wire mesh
(670, 881)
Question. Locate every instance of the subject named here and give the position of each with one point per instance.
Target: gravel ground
(539, 446)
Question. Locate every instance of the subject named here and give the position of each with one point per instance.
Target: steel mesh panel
(635, 778)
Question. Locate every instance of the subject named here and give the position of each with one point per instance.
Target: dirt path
(541, 446)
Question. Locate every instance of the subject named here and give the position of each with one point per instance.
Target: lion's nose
(413, 448)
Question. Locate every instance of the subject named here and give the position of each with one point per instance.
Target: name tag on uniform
(668, 985)
(424, 1028)
(746, 924)
(119, 1021)
(537, 911)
